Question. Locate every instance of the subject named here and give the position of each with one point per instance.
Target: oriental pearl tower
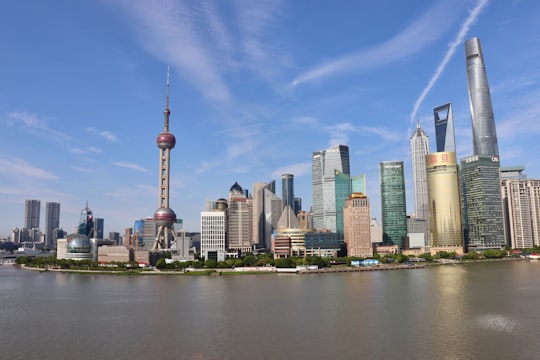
(165, 216)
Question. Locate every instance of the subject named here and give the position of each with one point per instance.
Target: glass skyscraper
(484, 216)
(32, 209)
(343, 190)
(483, 122)
(393, 202)
(444, 128)
(324, 165)
(419, 148)
(287, 191)
(52, 223)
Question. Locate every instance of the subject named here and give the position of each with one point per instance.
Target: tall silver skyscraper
(324, 165)
(419, 149)
(52, 223)
(483, 122)
(32, 209)
(444, 128)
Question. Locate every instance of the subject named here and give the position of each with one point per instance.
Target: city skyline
(255, 92)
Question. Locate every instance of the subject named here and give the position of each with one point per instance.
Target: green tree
(210, 263)
(249, 260)
(285, 263)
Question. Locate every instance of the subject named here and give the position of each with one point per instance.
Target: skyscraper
(484, 217)
(357, 225)
(164, 216)
(393, 202)
(446, 229)
(240, 220)
(287, 191)
(324, 164)
(522, 207)
(32, 209)
(263, 209)
(342, 191)
(444, 128)
(52, 223)
(483, 122)
(419, 148)
(86, 222)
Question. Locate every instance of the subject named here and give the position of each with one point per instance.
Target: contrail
(473, 15)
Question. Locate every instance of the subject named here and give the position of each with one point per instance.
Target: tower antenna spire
(167, 111)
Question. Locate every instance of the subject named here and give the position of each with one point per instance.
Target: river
(466, 311)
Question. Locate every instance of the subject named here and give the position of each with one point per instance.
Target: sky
(255, 88)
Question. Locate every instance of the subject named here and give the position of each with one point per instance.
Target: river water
(472, 311)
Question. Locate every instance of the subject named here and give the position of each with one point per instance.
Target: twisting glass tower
(483, 122)
(165, 216)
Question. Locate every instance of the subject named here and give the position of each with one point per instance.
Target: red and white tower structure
(165, 216)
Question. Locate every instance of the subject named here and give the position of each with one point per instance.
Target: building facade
(287, 191)
(483, 121)
(52, 223)
(483, 203)
(357, 225)
(521, 199)
(446, 230)
(444, 128)
(419, 142)
(213, 234)
(32, 210)
(262, 226)
(324, 165)
(393, 202)
(240, 217)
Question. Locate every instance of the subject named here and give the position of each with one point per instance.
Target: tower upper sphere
(166, 140)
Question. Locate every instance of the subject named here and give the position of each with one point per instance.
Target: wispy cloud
(16, 167)
(298, 169)
(103, 133)
(458, 40)
(169, 31)
(33, 124)
(129, 165)
(414, 38)
(339, 133)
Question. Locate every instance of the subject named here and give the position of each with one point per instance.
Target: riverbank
(265, 269)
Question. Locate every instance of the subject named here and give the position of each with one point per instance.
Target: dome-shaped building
(80, 247)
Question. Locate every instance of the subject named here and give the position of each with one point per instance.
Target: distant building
(115, 237)
(393, 202)
(323, 244)
(324, 166)
(521, 199)
(99, 227)
(52, 223)
(214, 231)
(419, 142)
(266, 212)
(108, 254)
(240, 220)
(32, 211)
(483, 203)
(297, 236)
(357, 225)
(287, 190)
(281, 247)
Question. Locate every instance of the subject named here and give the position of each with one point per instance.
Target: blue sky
(256, 87)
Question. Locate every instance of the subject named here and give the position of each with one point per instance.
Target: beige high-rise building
(446, 230)
(521, 199)
(357, 225)
(240, 220)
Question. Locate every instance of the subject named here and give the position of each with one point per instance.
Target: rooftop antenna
(167, 112)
